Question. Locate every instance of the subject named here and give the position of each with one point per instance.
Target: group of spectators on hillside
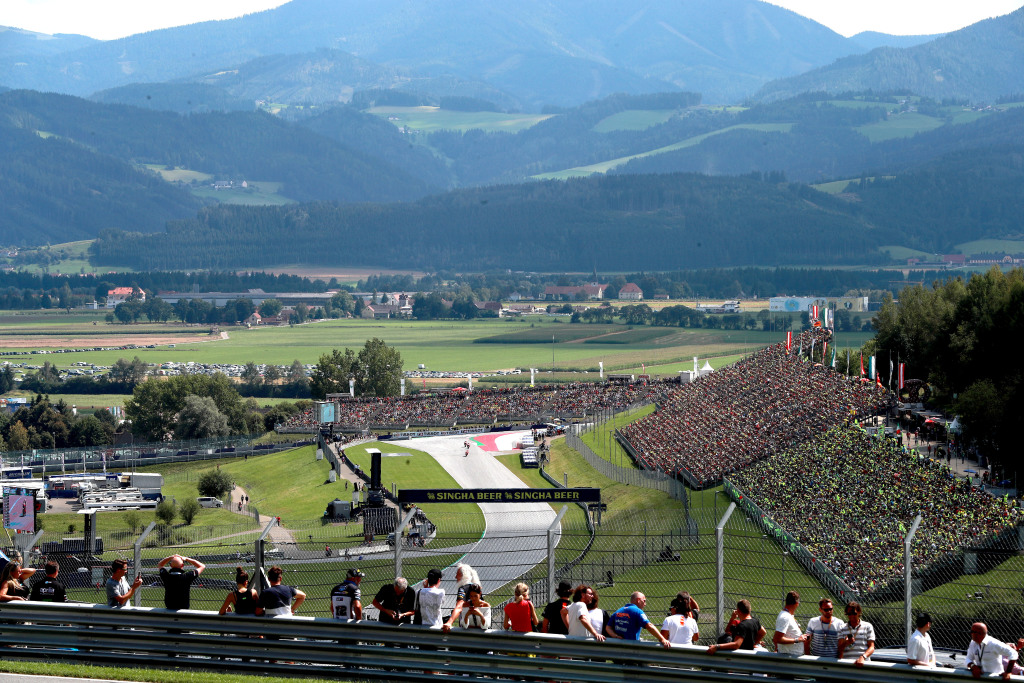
(739, 414)
(851, 498)
(485, 406)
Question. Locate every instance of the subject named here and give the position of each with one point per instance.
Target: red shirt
(519, 613)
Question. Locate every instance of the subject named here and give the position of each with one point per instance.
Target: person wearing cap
(429, 600)
(396, 603)
(551, 617)
(346, 599)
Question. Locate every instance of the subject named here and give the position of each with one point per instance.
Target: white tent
(707, 369)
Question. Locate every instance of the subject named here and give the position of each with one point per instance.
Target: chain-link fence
(652, 551)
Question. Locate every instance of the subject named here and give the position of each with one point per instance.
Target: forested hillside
(980, 63)
(613, 223)
(53, 190)
(181, 98)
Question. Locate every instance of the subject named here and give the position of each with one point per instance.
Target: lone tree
(188, 510)
(166, 511)
(215, 483)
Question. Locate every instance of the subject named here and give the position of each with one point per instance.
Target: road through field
(514, 540)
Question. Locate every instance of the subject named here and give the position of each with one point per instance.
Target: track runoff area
(517, 518)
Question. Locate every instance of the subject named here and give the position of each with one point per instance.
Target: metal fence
(718, 559)
(130, 456)
(628, 475)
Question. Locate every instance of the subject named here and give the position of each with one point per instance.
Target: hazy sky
(105, 19)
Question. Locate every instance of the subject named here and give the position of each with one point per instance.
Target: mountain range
(536, 52)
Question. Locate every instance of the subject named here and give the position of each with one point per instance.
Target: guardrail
(322, 647)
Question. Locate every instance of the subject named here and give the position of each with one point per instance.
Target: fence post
(398, 540)
(551, 549)
(137, 563)
(720, 569)
(259, 552)
(908, 582)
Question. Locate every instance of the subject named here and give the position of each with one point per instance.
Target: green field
(902, 125)
(898, 253)
(259, 193)
(179, 174)
(605, 166)
(991, 247)
(430, 119)
(633, 119)
(76, 259)
(440, 345)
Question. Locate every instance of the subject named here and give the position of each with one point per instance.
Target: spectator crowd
(485, 406)
(850, 499)
(763, 404)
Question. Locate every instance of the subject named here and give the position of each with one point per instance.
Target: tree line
(958, 334)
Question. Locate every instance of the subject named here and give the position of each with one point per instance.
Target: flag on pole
(862, 373)
(871, 365)
(800, 353)
(902, 366)
(789, 342)
(833, 357)
(811, 354)
(824, 351)
(890, 373)
(847, 362)
(814, 311)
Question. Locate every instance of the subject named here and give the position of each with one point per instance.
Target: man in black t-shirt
(746, 633)
(177, 581)
(49, 589)
(551, 618)
(397, 604)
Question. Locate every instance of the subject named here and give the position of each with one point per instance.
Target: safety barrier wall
(326, 648)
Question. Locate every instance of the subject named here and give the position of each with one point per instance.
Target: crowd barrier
(326, 648)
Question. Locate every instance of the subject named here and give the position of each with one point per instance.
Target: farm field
(440, 345)
(991, 246)
(430, 119)
(259, 193)
(902, 125)
(633, 119)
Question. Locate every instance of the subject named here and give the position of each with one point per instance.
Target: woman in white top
(679, 627)
(476, 613)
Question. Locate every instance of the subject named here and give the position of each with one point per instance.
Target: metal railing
(328, 648)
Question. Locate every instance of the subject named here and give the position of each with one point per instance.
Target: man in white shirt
(985, 654)
(919, 650)
(788, 638)
(428, 601)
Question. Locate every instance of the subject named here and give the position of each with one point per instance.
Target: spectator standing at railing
(858, 638)
(789, 638)
(429, 600)
(919, 650)
(747, 632)
(244, 598)
(464, 576)
(477, 613)
(520, 614)
(119, 593)
(627, 621)
(278, 600)
(823, 632)
(177, 581)
(49, 589)
(577, 615)
(986, 655)
(11, 587)
(397, 604)
(679, 626)
(551, 617)
(346, 599)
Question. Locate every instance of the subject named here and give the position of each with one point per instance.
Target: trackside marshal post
(582, 495)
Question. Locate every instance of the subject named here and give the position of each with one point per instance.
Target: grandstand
(850, 498)
(761, 405)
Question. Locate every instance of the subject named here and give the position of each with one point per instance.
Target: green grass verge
(140, 674)
(603, 443)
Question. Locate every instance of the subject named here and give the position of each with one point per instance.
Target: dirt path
(278, 534)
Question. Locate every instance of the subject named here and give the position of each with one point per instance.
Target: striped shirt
(862, 634)
(825, 637)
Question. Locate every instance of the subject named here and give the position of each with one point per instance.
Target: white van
(210, 502)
